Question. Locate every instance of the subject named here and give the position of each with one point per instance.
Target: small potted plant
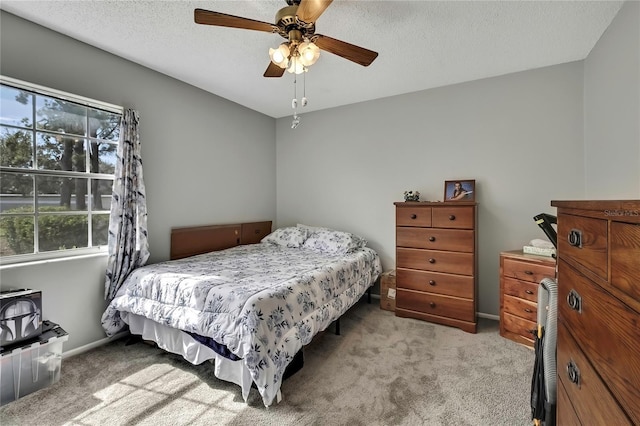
(411, 195)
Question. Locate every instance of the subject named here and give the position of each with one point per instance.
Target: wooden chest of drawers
(598, 347)
(436, 263)
(520, 275)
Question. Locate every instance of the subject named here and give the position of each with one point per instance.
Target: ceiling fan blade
(349, 51)
(208, 17)
(310, 10)
(273, 70)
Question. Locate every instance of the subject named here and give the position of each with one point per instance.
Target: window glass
(60, 152)
(16, 193)
(102, 157)
(61, 116)
(16, 106)
(100, 229)
(62, 232)
(56, 193)
(57, 164)
(16, 235)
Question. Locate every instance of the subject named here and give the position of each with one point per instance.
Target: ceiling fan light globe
(309, 53)
(296, 66)
(280, 56)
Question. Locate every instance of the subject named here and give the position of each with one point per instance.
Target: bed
(245, 298)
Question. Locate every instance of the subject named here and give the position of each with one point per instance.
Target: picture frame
(459, 190)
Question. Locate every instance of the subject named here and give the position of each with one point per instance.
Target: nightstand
(520, 275)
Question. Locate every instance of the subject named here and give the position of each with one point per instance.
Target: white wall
(612, 109)
(206, 160)
(519, 136)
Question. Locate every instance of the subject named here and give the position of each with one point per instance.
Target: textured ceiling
(421, 44)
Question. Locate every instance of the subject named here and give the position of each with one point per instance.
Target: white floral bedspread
(263, 301)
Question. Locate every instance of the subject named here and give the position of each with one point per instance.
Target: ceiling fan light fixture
(296, 66)
(309, 53)
(280, 56)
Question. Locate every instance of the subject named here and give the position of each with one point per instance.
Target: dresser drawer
(584, 240)
(520, 307)
(591, 400)
(625, 258)
(527, 271)
(433, 260)
(609, 332)
(436, 282)
(436, 239)
(413, 216)
(434, 304)
(565, 415)
(519, 326)
(520, 289)
(453, 217)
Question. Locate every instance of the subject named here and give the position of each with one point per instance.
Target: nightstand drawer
(436, 239)
(520, 307)
(413, 216)
(520, 289)
(518, 326)
(434, 304)
(436, 282)
(527, 271)
(433, 260)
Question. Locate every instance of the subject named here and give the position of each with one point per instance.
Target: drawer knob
(528, 291)
(527, 310)
(575, 238)
(574, 300)
(528, 273)
(452, 217)
(432, 304)
(413, 216)
(432, 239)
(432, 260)
(573, 373)
(432, 282)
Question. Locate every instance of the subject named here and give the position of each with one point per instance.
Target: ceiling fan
(296, 23)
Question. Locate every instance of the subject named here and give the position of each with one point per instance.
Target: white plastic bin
(31, 367)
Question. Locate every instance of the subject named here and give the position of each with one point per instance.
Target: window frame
(36, 172)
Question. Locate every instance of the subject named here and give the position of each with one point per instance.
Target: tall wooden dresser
(598, 347)
(436, 262)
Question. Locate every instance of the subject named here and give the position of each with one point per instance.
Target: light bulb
(280, 56)
(309, 53)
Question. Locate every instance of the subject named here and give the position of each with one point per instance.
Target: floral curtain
(128, 246)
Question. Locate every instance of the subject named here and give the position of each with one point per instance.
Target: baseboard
(489, 316)
(93, 345)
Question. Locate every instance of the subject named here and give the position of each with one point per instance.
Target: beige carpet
(382, 370)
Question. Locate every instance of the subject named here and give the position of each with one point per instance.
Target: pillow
(291, 237)
(329, 241)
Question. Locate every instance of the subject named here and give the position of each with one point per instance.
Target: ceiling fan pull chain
(294, 101)
(304, 88)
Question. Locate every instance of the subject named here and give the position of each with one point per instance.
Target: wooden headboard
(191, 240)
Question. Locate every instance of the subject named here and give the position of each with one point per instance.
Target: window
(57, 162)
